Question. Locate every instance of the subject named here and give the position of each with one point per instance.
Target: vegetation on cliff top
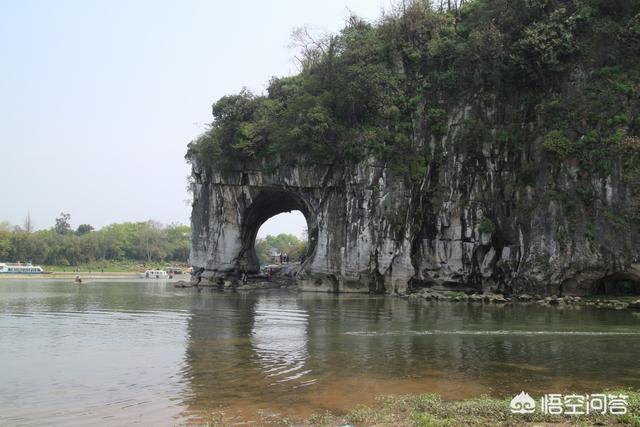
(388, 88)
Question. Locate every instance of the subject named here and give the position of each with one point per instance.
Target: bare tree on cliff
(311, 48)
(28, 225)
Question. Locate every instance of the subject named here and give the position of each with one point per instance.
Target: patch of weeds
(454, 294)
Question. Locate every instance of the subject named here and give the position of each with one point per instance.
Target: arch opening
(282, 239)
(270, 204)
(619, 284)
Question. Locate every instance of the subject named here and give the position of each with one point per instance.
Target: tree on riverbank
(282, 243)
(130, 241)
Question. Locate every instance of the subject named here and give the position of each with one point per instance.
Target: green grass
(454, 294)
(428, 410)
(110, 267)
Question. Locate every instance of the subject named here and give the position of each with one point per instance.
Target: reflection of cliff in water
(285, 352)
(216, 352)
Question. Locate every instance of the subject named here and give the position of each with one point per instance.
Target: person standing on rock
(244, 278)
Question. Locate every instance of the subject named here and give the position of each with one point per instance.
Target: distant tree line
(293, 246)
(61, 245)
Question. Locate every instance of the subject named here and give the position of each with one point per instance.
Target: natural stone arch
(268, 203)
(353, 246)
(618, 284)
(595, 282)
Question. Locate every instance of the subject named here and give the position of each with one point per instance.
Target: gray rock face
(488, 219)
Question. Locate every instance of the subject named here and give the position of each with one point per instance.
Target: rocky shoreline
(251, 285)
(554, 300)
(289, 283)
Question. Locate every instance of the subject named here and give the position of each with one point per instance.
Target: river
(124, 352)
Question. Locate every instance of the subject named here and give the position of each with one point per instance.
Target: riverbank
(597, 301)
(432, 410)
(57, 275)
(127, 269)
(94, 275)
(287, 281)
(118, 267)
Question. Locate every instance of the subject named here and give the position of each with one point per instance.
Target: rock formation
(495, 149)
(481, 220)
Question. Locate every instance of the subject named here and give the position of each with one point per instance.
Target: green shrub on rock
(556, 142)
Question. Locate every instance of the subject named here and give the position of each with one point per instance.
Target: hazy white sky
(100, 98)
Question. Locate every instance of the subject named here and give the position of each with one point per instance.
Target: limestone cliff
(488, 219)
(499, 165)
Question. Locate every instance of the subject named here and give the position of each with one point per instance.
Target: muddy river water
(127, 352)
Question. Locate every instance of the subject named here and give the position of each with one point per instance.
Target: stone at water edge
(635, 305)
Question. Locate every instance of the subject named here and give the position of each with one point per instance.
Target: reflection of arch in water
(238, 347)
(279, 340)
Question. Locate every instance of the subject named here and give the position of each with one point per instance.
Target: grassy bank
(428, 410)
(432, 410)
(111, 267)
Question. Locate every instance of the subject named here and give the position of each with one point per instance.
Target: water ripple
(500, 332)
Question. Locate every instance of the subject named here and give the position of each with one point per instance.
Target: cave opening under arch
(268, 204)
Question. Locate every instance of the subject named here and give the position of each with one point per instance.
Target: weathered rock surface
(486, 220)
(635, 305)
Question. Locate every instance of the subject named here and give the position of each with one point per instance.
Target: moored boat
(154, 274)
(20, 268)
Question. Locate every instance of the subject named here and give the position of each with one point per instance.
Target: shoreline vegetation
(99, 270)
(126, 266)
(427, 410)
(116, 247)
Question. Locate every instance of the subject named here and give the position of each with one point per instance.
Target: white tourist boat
(154, 274)
(20, 268)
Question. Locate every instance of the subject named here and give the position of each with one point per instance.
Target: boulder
(634, 305)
